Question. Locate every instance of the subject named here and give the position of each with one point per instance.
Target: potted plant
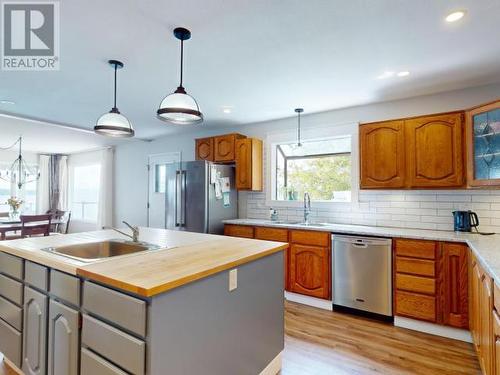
(14, 204)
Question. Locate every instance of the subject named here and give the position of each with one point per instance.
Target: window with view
(84, 192)
(321, 168)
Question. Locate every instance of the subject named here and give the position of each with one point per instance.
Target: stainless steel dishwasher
(362, 273)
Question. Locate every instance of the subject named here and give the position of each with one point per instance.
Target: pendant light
(19, 173)
(298, 111)
(113, 123)
(179, 107)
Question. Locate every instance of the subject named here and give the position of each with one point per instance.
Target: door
(35, 332)
(434, 151)
(309, 270)
(220, 209)
(224, 148)
(382, 155)
(205, 149)
(157, 165)
(486, 327)
(455, 285)
(186, 196)
(64, 340)
(475, 284)
(244, 163)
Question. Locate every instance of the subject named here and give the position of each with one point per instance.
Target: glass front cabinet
(483, 139)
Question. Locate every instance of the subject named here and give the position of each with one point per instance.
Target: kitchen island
(197, 304)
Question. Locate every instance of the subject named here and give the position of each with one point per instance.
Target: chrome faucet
(135, 232)
(307, 207)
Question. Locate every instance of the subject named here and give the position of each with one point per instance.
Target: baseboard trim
(311, 301)
(433, 329)
(274, 366)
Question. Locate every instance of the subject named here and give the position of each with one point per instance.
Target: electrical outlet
(233, 279)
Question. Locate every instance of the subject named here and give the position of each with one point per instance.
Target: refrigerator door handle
(176, 215)
(183, 198)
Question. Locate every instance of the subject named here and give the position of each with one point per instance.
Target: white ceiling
(261, 57)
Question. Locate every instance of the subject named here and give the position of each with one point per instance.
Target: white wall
(131, 173)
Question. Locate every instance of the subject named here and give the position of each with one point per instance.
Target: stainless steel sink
(90, 252)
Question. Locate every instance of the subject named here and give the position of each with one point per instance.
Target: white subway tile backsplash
(420, 209)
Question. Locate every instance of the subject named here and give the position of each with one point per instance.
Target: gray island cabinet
(54, 323)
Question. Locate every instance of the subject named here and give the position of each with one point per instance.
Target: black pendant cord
(298, 132)
(182, 60)
(116, 68)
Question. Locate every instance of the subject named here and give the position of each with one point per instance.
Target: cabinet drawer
(65, 287)
(37, 276)
(416, 249)
(11, 289)
(11, 265)
(118, 308)
(115, 345)
(309, 237)
(11, 313)
(416, 306)
(416, 284)
(416, 266)
(271, 234)
(10, 343)
(245, 231)
(92, 364)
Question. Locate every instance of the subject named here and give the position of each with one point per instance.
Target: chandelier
(19, 173)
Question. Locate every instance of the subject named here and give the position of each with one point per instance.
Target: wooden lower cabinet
(310, 270)
(307, 268)
(431, 281)
(484, 319)
(454, 284)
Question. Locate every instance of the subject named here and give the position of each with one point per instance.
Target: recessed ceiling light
(9, 102)
(403, 74)
(226, 110)
(455, 16)
(385, 75)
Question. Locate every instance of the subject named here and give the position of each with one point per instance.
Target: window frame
(318, 133)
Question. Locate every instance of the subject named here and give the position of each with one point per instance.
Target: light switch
(233, 279)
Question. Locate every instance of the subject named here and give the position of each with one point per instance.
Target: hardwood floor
(320, 342)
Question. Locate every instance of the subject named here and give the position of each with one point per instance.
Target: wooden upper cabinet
(382, 155)
(205, 149)
(310, 270)
(454, 278)
(224, 147)
(434, 151)
(249, 164)
(483, 145)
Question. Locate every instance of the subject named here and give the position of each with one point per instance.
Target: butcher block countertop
(184, 257)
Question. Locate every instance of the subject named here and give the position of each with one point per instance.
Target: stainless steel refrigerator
(191, 200)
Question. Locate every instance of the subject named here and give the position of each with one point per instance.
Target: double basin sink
(94, 251)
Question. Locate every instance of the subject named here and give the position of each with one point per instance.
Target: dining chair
(35, 225)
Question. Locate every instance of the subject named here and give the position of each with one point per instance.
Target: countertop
(486, 248)
(183, 257)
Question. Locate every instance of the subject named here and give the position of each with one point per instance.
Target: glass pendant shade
(180, 108)
(114, 124)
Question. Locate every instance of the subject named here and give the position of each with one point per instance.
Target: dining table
(9, 224)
